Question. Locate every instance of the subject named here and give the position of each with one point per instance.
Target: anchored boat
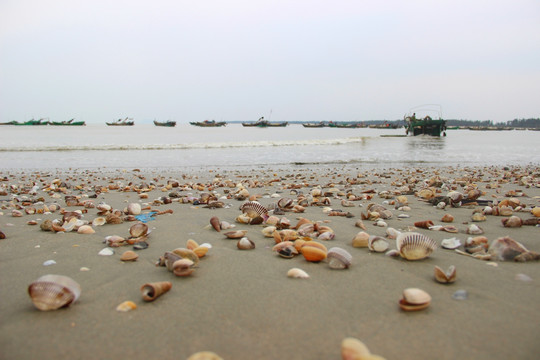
(168, 123)
(425, 125)
(70, 122)
(121, 122)
(208, 123)
(265, 123)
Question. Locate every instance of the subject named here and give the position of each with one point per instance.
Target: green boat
(208, 123)
(43, 121)
(426, 125)
(67, 123)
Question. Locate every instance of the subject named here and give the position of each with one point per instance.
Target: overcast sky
(313, 60)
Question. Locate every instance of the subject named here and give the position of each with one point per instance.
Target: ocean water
(146, 146)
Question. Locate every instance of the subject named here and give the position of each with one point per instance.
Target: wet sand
(240, 304)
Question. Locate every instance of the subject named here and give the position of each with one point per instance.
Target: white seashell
(297, 273)
(106, 252)
(451, 244)
(206, 245)
(392, 233)
(85, 229)
(51, 292)
(403, 216)
(245, 244)
(441, 205)
(338, 258)
(133, 209)
(474, 229)
(435, 227)
(443, 277)
(415, 246)
(99, 221)
(381, 223)
(377, 244)
(49, 263)
(269, 231)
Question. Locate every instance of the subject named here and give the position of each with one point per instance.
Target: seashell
(183, 267)
(535, 211)
(339, 258)
(191, 244)
(354, 349)
(392, 253)
(377, 244)
(254, 209)
(441, 205)
(151, 291)
(414, 246)
(313, 253)
(243, 219)
(360, 240)
(237, 234)
(133, 209)
(272, 220)
(451, 243)
(478, 217)
(86, 229)
(245, 244)
(205, 355)
(476, 244)
(504, 211)
(187, 254)
(216, 224)
(201, 251)
(2, 235)
(113, 219)
(225, 225)
(414, 299)
(138, 229)
(99, 221)
(392, 233)
(450, 229)
(445, 277)
(360, 224)
(126, 306)
(114, 241)
(448, 218)
(325, 236)
(474, 229)
(106, 252)
(297, 273)
(506, 248)
(285, 203)
(268, 231)
(46, 225)
(423, 224)
(426, 194)
(140, 245)
(51, 292)
(488, 210)
(168, 260)
(512, 222)
(129, 256)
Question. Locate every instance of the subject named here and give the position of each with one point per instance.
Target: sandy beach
(241, 304)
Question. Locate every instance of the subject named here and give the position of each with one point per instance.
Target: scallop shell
(138, 229)
(414, 299)
(338, 258)
(51, 292)
(415, 246)
(254, 209)
(245, 244)
(237, 234)
(445, 277)
(377, 244)
(297, 273)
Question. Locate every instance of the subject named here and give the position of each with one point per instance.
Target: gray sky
(302, 60)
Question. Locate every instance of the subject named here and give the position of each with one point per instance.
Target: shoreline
(240, 303)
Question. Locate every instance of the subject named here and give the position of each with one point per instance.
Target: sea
(187, 148)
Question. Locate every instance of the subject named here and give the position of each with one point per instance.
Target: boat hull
(165, 123)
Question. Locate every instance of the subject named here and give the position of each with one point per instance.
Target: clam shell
(506, 248)
(423, 224)
(138, 229)
(191, 244)
(85, 229)
(99, 221)
(338, 258)
(187, 254)
(201, 251)
(474, 229)
(268, 231)
(535, 211)
(297, 273)
(237, 234)
(133, 209)
(205, 355)
(51, 292)
(377, 244)
(360, 240)
(445, 277)
(415, 246)
(448, 218)
(512, 222)
(312, 253)
(451, 244)
(129, 256)
(354, 349)
(414, 299)
(183, 267)
(245, 244)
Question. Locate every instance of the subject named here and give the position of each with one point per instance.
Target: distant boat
(67, 123)
(208, 123)
(9, 123)
(314, 125)
(168, 123)
(43, 121)
(426, 125)
(349, 125)
(385, 125)
(265, 123)
(121, 122)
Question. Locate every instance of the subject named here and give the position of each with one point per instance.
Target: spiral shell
(51, 292)
(338, 258)
(415, 246)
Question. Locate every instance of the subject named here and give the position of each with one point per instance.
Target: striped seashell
(339, 258)
(254, 209)
(415, 246)
(51, 292)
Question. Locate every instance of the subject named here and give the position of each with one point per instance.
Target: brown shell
(253, 209)
(183, 267)
(415, 246)
(236, 234)
(151, 291)
(129, 256)
(191, 244)
(313, 254)
(138, 229)
(51, 292)
(423, 224)
(414, 299)
(245, 244)
(216, 224)
(187, 254)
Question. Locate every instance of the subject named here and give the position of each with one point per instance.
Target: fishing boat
(42, 121)
(9, 123)
(208, 123)
(265, 123)
(67, 123)
(426, 125)
(314, 125)
(168, 123)
(121, 122)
